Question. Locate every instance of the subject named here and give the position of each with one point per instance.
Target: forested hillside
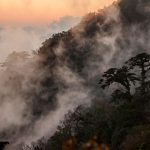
(87, 88)
(123, 123)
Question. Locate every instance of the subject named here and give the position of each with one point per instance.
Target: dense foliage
(88, 63)
(121, 124)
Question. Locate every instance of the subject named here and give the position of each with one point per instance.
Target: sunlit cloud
(23, 20)
(42, 11)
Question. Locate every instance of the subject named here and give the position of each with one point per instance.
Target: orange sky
(43, 11)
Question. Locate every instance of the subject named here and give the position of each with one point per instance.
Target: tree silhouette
(141, 61)
(3, 145)
(121, 76)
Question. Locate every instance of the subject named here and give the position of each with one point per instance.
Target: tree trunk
(128, 91)
(143, 77)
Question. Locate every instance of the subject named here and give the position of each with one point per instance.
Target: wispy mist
(36, 92)
(30, 37)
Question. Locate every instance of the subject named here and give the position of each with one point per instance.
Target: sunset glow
(43, 11)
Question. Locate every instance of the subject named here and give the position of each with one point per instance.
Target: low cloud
(30, 37)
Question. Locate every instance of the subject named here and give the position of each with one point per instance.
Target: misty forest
(87, 88)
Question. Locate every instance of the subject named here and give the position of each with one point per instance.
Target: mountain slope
(64, 73)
